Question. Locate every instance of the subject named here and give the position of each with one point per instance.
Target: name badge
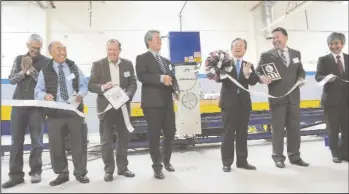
(71, 76)
(295, 60)
(127, 74)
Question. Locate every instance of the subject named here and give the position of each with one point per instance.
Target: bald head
(58, 51)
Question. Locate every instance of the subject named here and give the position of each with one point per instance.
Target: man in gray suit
(106, 73)
(285, 111)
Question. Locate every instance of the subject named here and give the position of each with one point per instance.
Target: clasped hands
(27, 64)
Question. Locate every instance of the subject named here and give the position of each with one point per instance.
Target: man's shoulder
(294, 50)
(125, 61)
(100, 61)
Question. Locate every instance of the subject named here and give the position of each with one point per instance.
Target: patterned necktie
(340, 65)
(62, 83)
(283, 57)
(162, 66)
(238, 67)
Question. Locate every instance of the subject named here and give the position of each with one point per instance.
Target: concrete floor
(199, 169)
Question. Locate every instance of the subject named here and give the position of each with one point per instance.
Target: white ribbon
(42, 103)
(117, 99)
(124, 114)
(262, 93)
(328, 78)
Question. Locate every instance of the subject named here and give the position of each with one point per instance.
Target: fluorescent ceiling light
(345, 2)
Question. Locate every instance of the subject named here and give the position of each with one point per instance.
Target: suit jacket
(334, 93)
(100, 74)
(289, 76)
(229, 90)
(154, 93)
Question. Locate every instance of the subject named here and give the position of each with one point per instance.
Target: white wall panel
(218, 22)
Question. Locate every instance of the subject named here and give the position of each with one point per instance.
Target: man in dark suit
(236, 106)
(285, 111)
(335, 94)
(158, 85)
(106, 73)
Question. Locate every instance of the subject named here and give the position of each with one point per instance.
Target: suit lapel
(153, 61)
(122, 70)
(346, 62)
(275, 53)
(106, 70)
(333, 64)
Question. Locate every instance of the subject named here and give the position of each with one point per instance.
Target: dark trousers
(286, 115)
(78, 141)
(114, 120)
(235, 123)
(337, 121)
(21, 118)
(157, 119)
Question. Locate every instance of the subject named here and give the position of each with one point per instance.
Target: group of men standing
(57, 79)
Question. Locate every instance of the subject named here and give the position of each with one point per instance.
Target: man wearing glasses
(24, 74)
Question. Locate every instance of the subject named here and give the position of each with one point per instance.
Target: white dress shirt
(114, 72)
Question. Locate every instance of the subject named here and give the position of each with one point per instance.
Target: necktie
(238, 67)
(62, 83)
(283, 57)
(340, 65)
(162, 66)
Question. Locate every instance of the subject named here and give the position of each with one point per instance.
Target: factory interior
(84, 27)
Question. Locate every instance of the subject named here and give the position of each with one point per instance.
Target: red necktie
(340, 65)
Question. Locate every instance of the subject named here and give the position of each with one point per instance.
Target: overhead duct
(268, 17)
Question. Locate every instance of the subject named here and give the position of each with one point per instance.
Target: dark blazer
(229, 90)
(289, 75)
(154, 93)
(100, 74)
(334, 92)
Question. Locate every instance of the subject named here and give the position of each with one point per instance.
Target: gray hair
(238, 39)
(149, 36)
(34, 38)
(111, 41)
(336, 36)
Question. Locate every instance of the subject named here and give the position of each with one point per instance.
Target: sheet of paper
(72, 101)
(116, 96)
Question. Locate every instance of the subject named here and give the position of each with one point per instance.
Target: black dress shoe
(300, 162)
(126, 173)
(159, 175)
(59, 180)
(226, 168)
(12, 182)
(108, 177)
(336, 160)
(83, 179)
(246, 166)
(280, 164)
(169, 168)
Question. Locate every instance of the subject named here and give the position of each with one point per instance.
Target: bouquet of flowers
(217, 64)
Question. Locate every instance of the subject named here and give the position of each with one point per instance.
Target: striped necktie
(283, 57)
(162, 66)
